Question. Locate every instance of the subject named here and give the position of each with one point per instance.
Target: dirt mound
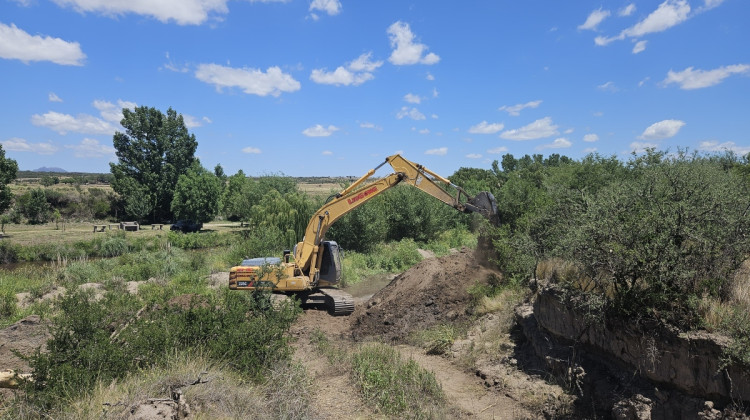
(432, 292)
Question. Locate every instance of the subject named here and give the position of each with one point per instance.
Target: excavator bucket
(485, 203)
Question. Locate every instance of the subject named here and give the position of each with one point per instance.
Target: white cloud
(320, 131)
(207, 120)
(111, 112)
(515, 110)
(590, 138)
(54, 98)
(405, 50)
(715, 146)
(327, 153)
(371, 126)
(662, 130)
(595, 18)
(64, 123)
(332, 7)
(191, 121)
(643, 82)
(537, 130)
(251, 150)
(497, 150)
(697, 79)
(412, 98)
(589, 150)
(639, 46)
(435, 93)
(424, 131)
(669, 14)
(412, 113)
(640, 147)
(15, 144)
(91, 148)
(430, 76)
(172, 66)
(354, 73)
(627, 10)
(182, 12)
(17, 44)
(442, 151)
(252, 81)
(561, 143)
(710, 4)
(474, 156)
(486, 128)
(608, 87)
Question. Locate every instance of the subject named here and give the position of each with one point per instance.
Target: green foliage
(197, 195)
(363, 228)
(7, 304)
(675, 228)
(289, 213)
(8, 172)
(236, 197)
(33, 205)
(396, 387)
(438, 339)
(152, 154)
(91, 342)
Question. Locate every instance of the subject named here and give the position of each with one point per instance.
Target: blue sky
(331, 87)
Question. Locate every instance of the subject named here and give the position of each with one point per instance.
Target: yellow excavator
(313, 270)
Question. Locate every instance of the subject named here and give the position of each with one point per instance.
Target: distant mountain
(46, 169)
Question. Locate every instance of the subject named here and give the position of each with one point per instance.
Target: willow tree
(152, 154)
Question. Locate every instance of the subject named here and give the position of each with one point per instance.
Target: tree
(197, 195)
(152, 154)
(34, 206)
(235, 203)
(8, 171)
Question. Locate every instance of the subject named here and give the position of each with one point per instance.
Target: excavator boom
(316, 267)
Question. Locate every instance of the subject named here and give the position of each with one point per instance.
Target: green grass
(396, 386)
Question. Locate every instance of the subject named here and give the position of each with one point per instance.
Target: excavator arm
(308, 251)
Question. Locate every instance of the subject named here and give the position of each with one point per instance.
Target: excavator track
(338, 302)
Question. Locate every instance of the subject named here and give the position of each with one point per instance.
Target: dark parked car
(186, 226)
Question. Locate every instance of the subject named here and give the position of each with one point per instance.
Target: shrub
(91, 341)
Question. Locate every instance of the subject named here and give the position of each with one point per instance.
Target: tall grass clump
(396, 387)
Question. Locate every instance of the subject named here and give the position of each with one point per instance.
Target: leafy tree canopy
(152, 154)
(197, 195)
(8, 171)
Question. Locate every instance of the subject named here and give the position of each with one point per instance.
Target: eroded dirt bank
(634, 370)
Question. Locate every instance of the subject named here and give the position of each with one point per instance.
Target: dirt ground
(430, 293)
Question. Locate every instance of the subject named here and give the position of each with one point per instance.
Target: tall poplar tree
(152, 154)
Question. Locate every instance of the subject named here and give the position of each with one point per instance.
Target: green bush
(660, 239)
(103, 341)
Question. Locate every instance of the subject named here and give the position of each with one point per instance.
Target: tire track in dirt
(464, 391)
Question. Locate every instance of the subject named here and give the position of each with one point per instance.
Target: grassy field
(24, 234)
(319, 189)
